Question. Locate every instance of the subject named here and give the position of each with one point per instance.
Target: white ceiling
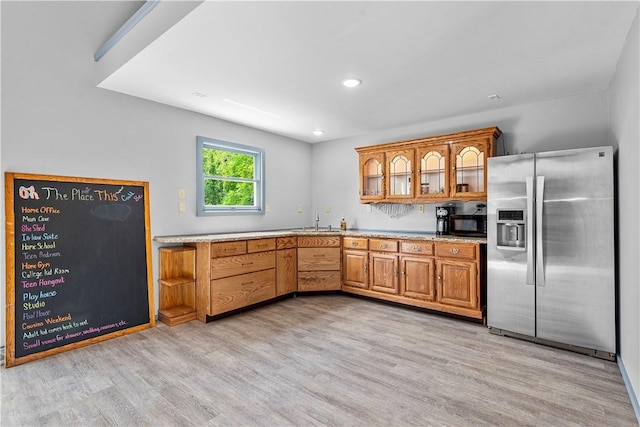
(277, 66)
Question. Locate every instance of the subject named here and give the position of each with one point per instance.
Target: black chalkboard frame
(145, 320)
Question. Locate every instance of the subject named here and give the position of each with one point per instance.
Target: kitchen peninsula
(206, 275)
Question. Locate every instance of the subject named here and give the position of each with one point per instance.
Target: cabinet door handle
(318, 255)
(383, 246)
(417, 248)
(354, 243)
(247, 263)
(247, 283)
(454, 251)
(439, 277)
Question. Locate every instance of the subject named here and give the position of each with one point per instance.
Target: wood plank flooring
(317, 360)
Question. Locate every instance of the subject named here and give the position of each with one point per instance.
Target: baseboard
(630, 391)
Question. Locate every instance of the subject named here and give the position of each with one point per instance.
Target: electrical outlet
(299, 208)
(267, 208)
(421, 208)
(369, 208)
(327, 209)
(182, 208)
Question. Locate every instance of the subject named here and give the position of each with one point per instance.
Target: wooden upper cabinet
(399, 166)
(432, 169)
(432, 172)
(372, 186)
(469, 169)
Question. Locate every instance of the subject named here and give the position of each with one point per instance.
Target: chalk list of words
(62, 293)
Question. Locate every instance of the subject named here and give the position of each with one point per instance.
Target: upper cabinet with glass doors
(400, 184)
(432, 169)
(469, 177)
(372, 177)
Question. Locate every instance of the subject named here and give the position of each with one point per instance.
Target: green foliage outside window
(229, 178)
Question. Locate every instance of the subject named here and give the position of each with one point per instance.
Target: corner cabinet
(431, 169)
(318, 263)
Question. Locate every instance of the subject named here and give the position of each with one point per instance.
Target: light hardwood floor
(317, 360)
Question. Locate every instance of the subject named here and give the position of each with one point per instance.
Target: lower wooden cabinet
(318, 280)
(383, 272)
(319, 263)
(443, 276)
(446, 276)
(242, 290)
(457, 283)
(233, 275)
(355, 262)
(286, 265)
(417, 278)
(355, 266)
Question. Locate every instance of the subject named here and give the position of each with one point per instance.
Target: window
(230, 178)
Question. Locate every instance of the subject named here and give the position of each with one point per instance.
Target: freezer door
(575, 271)
(510, 272)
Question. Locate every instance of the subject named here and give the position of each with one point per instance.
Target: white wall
(625, 134)
(580, 121)
(55, 121)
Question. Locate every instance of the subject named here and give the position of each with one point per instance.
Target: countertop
(406, 235)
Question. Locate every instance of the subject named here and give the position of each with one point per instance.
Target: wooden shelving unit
(177, 285)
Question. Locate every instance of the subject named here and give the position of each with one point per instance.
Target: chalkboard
(78, 262)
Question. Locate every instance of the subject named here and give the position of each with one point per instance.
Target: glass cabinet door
(470, 169)
(372, 176)
(400, 167)
(433, 175)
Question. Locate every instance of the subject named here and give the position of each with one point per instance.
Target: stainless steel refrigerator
(550, 249)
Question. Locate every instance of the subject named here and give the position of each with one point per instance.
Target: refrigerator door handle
(529, 231)
(539, 226)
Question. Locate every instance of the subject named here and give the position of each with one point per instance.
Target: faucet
(317, 219)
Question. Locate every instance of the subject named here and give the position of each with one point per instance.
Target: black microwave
(468, 225)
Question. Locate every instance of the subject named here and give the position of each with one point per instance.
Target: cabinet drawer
(318, 241)
(312, 259)
(261, 245)
(358, 243)
(456, 250)
(416, 247)
(286, 242)
(219, 249)
(240, 291)
(319, 281)
(383, 245)
(240, 264)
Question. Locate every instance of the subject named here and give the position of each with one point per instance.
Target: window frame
(258, 155)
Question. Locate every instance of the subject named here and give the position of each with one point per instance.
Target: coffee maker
(443, 215)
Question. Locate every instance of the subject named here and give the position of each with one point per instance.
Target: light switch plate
(327, 209)
(182, 194)
(299, 208)
(267, 208)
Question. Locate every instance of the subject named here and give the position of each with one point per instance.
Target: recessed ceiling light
(318, 132)
(351, 82)
(493, 97)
